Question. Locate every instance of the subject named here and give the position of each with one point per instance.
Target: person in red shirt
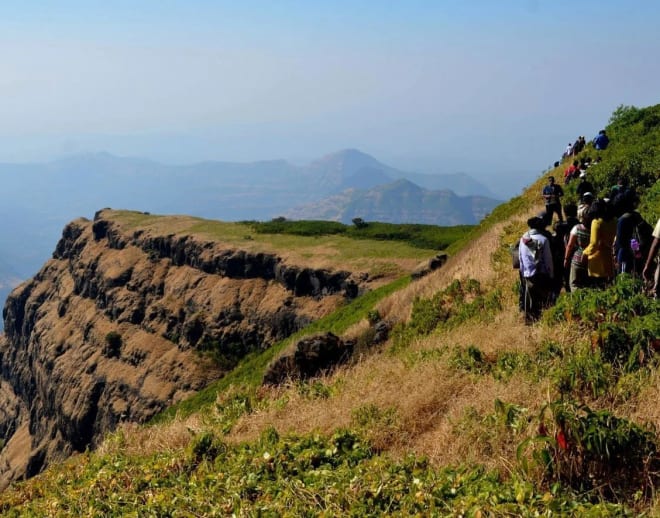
(572, 171)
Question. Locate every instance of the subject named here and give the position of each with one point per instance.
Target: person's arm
(620, 233)
(547, 258)
(593, 239)
(570, 249)
(545, 195)
(523, 256)
(646, 273)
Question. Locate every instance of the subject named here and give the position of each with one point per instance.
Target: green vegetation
(249, 373)
(457, 303)
(380, 250)
(421, 236)
(576, 456)
(286, 476)
(625, 323)
(633, 154)
(593, 451)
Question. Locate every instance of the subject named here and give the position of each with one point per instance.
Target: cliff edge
(126, 320)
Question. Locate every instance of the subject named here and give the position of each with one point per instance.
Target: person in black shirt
(584, 185)
(552, 194)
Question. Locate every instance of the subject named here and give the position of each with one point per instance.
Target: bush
(113, 343)
(359, 223)
(593, 450)
(430, 237)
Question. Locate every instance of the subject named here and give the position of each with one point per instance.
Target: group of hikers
(593, 241)
(600, 141)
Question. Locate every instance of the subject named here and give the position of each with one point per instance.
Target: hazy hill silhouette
(39, 199)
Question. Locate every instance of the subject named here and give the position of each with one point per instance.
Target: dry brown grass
(433, 402)
(475, 261)
(437, 410)
(135, 440)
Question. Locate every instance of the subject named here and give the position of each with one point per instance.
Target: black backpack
(643, 233)
(514, 250)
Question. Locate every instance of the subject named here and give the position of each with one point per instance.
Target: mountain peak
(339, 170)
(349, 160)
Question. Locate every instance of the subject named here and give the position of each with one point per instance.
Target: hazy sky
(495, 84)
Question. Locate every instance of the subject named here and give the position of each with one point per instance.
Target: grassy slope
(385, 252)
(462, 383)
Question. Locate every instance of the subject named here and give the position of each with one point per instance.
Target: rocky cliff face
(122, 323)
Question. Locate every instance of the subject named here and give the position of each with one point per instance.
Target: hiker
(648, 266)
(569, 151)
(601, 141)
(584, 205)
(571, 171)
(558, 245)
(536, 268)
(579, 145)
(620, 188)
(552, 194)
(601, 241)
(584, 185)
(627, 244)
(574, 259)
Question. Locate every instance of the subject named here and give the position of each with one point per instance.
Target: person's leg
(530, 310)
(547, 219)
(573, 278)
(656, 284)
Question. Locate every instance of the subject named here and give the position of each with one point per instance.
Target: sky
(434, 86)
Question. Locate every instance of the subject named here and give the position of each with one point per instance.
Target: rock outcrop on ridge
(123, 322)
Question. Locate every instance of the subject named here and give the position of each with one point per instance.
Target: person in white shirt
(536, 268)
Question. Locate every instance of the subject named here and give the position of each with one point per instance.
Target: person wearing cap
(585, 202)
(552, 194)
(584, 185)
(536, 268)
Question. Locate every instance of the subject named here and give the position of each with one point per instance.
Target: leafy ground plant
(308, 475)
(593, 451)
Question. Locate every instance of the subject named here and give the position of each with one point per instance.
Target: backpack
(514, 250)
(643, 233)
(536, 247)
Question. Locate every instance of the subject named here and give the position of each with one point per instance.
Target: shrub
(113, 343)
(593, 450)
(359, 223)
(583, 374)
(206, 446)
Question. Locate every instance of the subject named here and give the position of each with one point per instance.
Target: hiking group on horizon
(598, 239)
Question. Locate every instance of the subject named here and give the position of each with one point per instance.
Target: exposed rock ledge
(112, 327)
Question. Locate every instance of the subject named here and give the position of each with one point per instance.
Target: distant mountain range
(37, 200)
(400, 201)
(351, 168)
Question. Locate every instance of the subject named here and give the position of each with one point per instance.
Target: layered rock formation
(122, 322)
